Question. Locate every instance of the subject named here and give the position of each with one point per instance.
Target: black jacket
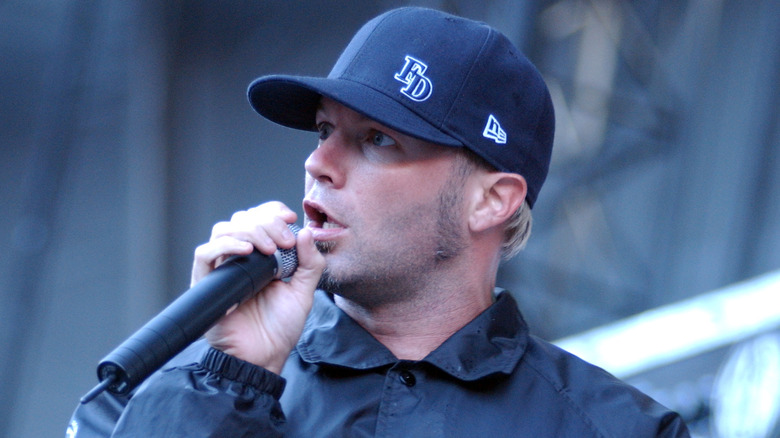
(490, 378)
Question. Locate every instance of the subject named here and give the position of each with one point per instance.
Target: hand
(265, 328)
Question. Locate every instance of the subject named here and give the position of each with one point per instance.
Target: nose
(327, 163)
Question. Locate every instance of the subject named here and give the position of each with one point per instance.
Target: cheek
(403, 203)
(403, 186)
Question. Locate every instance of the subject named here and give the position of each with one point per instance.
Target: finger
(310, 263)
(207, 255)
(244, 230)
(274, 218)
(264, 226)
(274, 208)
(279, 232)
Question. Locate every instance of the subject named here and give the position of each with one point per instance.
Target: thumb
(310, 262)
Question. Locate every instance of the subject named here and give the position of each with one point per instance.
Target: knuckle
(272, 208)
(202, 253)
(239, 216)
(219, 229)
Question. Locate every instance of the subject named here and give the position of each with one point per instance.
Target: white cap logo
(493, 130)
(418, 86)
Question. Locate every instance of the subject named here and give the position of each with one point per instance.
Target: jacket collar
(490, 344)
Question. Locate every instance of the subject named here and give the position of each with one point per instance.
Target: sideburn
(450, 234)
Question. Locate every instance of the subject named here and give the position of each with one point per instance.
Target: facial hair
(397, 273)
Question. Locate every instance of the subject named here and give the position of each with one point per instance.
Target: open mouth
(318, 218)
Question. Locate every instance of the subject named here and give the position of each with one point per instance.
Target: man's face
(385, 208)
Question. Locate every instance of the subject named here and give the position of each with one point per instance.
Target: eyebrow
(362, 117)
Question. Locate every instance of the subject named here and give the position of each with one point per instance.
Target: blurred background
(126, 133)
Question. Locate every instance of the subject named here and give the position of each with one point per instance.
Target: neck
(412, 317)
(412, 328)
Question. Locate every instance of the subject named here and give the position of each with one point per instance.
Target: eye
(381, 139)
(325, 129)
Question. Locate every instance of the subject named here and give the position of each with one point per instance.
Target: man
(435, 136)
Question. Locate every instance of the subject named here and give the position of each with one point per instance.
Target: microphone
(188, 317)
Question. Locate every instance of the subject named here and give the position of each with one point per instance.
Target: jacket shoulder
(602, 402)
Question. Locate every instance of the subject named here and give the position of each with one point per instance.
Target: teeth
(330, 225)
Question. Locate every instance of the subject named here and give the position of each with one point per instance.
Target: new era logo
(494, 131)
(418, 86)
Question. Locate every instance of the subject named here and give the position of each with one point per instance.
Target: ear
(500, 195)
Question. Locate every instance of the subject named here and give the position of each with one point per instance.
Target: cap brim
(292, 101)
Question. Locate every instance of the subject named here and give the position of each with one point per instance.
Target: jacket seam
(562, 392)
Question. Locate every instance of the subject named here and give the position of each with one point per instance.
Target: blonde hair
(517, 231)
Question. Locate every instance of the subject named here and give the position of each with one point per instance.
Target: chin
(324, 247)
(328, 283)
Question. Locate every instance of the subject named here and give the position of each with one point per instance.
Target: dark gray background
(126, 134)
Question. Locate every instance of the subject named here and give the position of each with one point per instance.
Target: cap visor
(292, 101)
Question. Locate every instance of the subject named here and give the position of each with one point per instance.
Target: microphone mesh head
(287, 259)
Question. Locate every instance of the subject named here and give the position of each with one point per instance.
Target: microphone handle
(185, 320)
(188, 317)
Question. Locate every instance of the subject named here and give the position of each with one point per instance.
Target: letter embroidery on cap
(418, 86)
(493, 131)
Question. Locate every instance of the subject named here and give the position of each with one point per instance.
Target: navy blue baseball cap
(436, 77)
